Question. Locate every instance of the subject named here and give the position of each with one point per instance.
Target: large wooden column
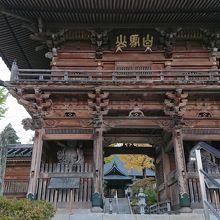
(3, 160)
(180, 167)
(98, 161)
(35, 163)
(166, 170)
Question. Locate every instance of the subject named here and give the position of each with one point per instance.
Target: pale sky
(15, 112)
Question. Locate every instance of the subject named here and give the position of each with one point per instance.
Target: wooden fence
(213, 195)
(15, 188)
(66, 198)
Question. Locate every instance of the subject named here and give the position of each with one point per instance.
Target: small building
(118, 177)
(17, 170)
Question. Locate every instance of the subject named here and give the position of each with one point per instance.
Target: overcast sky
(15, 112)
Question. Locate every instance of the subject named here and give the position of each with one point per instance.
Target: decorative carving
(96, 122)
(37, 103)
(204, 104)
(176, 103)
(190, 123)
(98, 106)
(98, 102)
(32, 124)
(211, 38)
(51, 123)
(136, 113)
(204, 115)
(164, 124)
(167, 39)
(70, 114)
(47, 38)
(71, 154)
(99, 39)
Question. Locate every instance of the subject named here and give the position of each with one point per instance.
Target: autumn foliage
(137, 161)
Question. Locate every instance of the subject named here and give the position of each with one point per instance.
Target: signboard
(134, 40)
(64, 183)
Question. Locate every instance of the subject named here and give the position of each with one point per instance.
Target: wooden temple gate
(157, 84)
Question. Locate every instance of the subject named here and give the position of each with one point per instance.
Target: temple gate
(110, 84)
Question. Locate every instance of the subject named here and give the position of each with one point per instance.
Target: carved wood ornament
(167, 39)
(99, 39)
(36, 102)
(98, 106)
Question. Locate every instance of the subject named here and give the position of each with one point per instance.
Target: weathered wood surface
(65, 197)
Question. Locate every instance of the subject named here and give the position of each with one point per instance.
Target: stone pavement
(101, 216)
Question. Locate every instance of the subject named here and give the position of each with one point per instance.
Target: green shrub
(23, 209)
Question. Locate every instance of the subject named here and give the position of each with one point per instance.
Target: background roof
(19, 150)
(116, 162)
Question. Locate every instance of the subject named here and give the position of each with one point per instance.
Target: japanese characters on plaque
(134, 41)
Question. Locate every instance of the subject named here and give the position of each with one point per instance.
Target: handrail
(206, 147)
(215, 213)
(202, 174)
(140, 75)
(211, 179)
(118, 70)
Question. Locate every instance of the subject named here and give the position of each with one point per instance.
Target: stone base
(185, 210)
(96, 210)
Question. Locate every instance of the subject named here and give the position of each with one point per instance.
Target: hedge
(24, 209)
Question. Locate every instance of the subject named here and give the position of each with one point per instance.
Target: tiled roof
(19, 150)
(117, 163)
(15, 42)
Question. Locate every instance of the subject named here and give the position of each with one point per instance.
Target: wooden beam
(149, 151)
(72, 174)
(68, 137)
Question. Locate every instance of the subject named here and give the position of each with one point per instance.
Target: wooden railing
(194, 187)
(15, 187)
(160, 208)
(195, 191)
(143, 76)
(67, 198)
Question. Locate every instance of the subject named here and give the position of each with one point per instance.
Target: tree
(137, 161)
(3, 97)
(9, 135)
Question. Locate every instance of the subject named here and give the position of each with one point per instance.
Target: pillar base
(96, 210)
(97, 200)
(184, 200)
(185, 210)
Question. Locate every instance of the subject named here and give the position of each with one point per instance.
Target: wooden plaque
(64, 183)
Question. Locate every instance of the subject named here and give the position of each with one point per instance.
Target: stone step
(121, 208)
(103, 216)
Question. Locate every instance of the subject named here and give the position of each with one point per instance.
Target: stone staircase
(120, 207)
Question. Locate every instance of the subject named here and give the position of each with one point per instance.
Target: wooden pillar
(180, 167)
(98, 160)
(166, 170)
(3, 160)
(35, 163)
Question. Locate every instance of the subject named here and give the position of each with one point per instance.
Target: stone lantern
(142, 201)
